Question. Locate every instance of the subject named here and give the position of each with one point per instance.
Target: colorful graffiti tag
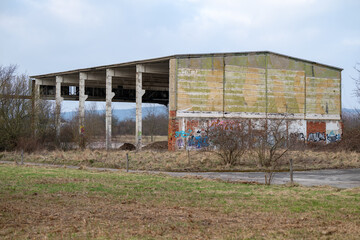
(198, 141)
(180, 143)
(182, 133)
(332, 136)
(316, 137)
(194, 139)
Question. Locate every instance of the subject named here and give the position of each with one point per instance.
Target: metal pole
(127, 162)
(291, 171)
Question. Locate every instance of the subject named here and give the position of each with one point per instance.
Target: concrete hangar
(202, 88)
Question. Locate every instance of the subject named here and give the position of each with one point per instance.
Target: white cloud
(224, 16)
(254, 24)
(354, 42)
(78, 12)
(13, 24)
(257, 13)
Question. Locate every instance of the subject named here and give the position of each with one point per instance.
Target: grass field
(46, 203)
(182, 161)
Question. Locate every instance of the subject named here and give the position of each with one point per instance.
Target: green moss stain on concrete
(323, 72)
(237, 60)
(245, 86)
(201, 86)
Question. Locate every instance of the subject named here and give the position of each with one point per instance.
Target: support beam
(90, 76)
(82, 98)
(58, 100)
(109, 96)
(156, 68)
(139, 93)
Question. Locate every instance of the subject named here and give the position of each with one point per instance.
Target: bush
(351, 132)
(270, 143)
(230, 140)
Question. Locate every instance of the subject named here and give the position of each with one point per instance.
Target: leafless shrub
(125, 127)
(270, 143)
(229, 140)
(28, 144)
(67, 136)
(351, 132)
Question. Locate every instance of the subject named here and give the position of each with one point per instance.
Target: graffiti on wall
(227, 125)
(196, 133)
(193, 139)
(301, 137)
(332, 136)
(198, 141)
(316, 137)
(298, 136)
(180, 143)
(183, 133)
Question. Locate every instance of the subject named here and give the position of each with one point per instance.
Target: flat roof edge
(160, 59)
(254, 52)
(101, 67)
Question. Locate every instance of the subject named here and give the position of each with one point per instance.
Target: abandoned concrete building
(202, 88)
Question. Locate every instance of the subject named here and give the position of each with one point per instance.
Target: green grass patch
(232, 201)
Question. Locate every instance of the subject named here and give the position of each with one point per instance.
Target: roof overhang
(178, 56)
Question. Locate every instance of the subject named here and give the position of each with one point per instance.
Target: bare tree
(13, 109)
(94, 128)
(357, 82)
(125, 127)
(155, 122)
(16, 113)
(229, 140)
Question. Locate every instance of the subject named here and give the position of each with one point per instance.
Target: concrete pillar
(173, 126)
(82, 98)
(58, 100)
(35, 105)
(139, 93)
(109, 96)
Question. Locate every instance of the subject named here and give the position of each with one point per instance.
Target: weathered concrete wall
(286, 85)
(245, 84)
(200, 84)
(253, 86)
(191, 133)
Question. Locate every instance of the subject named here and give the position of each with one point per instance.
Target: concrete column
(82, 98)
(139, 93)
(35, 105)
(109, 96)
(58, 100)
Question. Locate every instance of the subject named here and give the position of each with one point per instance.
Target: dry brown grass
(66, 215)
(183, 161)
(45, 203)
(131, 139)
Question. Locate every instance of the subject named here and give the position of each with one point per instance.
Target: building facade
(202, 89)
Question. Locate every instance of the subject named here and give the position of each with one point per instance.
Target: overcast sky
(44, 36)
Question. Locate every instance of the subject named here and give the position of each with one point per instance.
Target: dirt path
(340, 178)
